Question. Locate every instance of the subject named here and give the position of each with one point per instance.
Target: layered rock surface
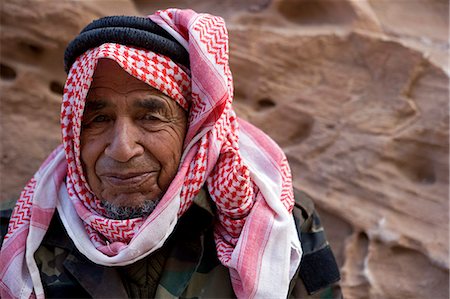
(356, 93)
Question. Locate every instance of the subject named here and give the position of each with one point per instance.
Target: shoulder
(318, 271)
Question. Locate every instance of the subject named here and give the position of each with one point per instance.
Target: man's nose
(124, 141)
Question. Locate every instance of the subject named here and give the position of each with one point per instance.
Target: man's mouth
(127, 179)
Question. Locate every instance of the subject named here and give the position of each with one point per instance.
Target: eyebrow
(151, 104)
(95, 105)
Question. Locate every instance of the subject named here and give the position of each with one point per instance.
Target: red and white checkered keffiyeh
(245, 172)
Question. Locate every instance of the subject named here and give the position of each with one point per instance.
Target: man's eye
(100, 118)
(150, 117)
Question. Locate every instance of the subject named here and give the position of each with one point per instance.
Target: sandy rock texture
(355, 91)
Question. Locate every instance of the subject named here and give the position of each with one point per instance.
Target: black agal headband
(133, 31)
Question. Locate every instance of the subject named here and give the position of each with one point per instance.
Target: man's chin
(127, 197)
(122, 212)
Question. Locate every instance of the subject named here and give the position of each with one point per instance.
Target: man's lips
(126, 179)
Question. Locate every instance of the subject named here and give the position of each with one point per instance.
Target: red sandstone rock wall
(355, 91)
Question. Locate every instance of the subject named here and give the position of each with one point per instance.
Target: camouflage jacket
(185, 267)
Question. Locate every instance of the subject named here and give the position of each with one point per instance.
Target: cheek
(169, 154)
(168, 151)
(177, 142)
(90, 151)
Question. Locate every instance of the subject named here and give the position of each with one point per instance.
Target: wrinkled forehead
(109, 76)
(109, 73)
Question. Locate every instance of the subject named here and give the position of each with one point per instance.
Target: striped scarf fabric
(245, 172)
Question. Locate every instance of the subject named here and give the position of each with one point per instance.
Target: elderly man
(158, 189)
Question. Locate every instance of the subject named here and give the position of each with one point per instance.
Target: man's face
(131, 140)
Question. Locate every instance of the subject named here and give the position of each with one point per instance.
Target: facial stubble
(117, 212)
